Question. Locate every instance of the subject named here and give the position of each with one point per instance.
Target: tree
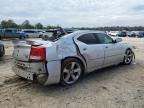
(38, 26)
(4, 24)
(8, 24)
(52, 27)
(11, 24)
(26, 25)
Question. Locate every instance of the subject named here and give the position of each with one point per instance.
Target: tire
(128, 58)
(3, 53)
(71, 71)
(22, 37)
(40, 36)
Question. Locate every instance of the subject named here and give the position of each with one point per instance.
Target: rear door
(92, 52)
(112, 51)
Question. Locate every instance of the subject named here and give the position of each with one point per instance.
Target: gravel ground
(114, 87)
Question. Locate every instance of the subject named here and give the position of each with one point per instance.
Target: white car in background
(113, 33)
(68, 58)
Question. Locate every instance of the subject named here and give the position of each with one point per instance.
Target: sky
(75, 13)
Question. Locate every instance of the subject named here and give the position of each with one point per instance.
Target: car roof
(80, 32)
(89, 31)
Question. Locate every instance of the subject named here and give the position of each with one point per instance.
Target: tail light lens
(37, 53)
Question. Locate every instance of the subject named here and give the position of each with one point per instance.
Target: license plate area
(22, 65)
(24, 74)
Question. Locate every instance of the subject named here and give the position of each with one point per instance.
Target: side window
(32, 31)
(8, 31)
(103, 38)
(87, 38)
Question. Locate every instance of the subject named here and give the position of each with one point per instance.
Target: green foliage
(8, 24)
(26, 25)
(39, 26)
(52, 27)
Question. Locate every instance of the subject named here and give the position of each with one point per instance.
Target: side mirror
(117, 40)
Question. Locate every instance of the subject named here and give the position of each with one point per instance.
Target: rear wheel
(71, 71)
(128, 57)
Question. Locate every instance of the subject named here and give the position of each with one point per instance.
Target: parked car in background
(41, 32)
(122, 33)
(2, 49)
(132, 34)
(70, 30)
(11, 33)
(66, 59)
(52, 34)
(141, 34)
(31, 33)
(113, 33)
(138, 34)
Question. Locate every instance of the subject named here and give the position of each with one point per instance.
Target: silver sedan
(67, 59)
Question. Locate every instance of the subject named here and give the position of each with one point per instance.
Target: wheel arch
(79, 59)
(129, 48)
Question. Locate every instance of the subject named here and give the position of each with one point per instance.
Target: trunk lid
(22, 49)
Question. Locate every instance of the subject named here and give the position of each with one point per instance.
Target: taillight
(37, 53)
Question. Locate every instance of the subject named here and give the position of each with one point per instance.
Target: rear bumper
(31, 71)
(43, 73)
(22, 73)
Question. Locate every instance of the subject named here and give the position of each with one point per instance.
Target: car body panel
(113, 53)
(54, 72)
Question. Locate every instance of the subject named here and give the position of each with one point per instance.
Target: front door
(112, 51)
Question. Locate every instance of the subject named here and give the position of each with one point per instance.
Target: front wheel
(71, 71)
(128, 57)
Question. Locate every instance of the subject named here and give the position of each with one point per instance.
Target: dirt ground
(114, 87)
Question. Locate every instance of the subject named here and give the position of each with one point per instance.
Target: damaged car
(66, 59)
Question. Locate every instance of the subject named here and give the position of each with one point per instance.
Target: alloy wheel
(128, 57)
(71, 72)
